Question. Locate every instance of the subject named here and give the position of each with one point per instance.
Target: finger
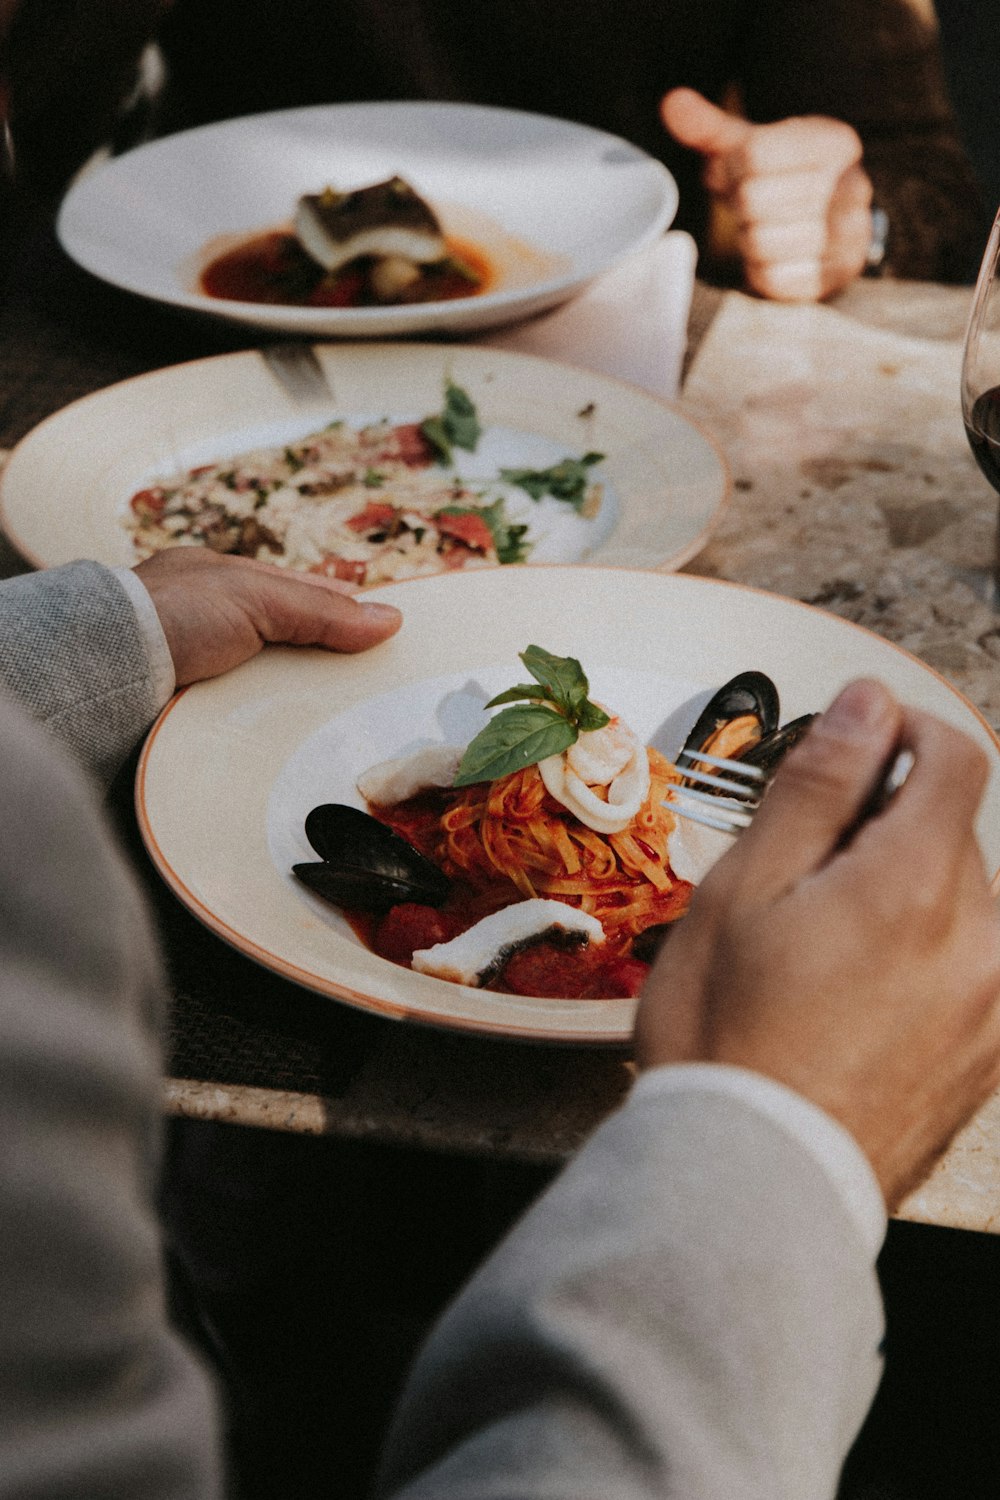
(818, 792)
(805, 143)
(791, 281)
(694, 121)
(781, 198)
(917, 866)
(290, 608)
(934, 812)
(765, 244)
(854, 191)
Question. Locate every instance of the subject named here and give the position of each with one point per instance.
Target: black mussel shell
(358, 888)
(647, 943)
(769, 751)
(747, 693)
(365, 864)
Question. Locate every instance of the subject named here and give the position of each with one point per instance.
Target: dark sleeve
(98, 1398)
(68, 65)
(877, 65)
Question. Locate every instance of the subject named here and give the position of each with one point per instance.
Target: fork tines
(733, 799)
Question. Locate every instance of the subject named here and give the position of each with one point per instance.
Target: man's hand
(866, 978)
(218, 611)
(799, 196)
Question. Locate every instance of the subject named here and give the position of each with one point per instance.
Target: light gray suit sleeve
(689, 1312)
(98, 1399)
(73, 653)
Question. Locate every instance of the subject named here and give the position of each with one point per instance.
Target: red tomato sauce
(273, 268)
(547, 969)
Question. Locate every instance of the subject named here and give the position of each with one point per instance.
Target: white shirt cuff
(828, 1143)
(161, 664)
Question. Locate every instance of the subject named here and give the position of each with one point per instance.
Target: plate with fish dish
(368, 220)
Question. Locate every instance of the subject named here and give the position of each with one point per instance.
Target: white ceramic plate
(68, 482)
(554, 204)
(232, 766)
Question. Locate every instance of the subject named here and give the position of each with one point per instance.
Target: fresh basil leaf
(590, 716)
(433, 429)
(460, 419)
(457, 426)
(562, 677)
(566, 480)
(522, 690)
(508, 538)
(513, 739)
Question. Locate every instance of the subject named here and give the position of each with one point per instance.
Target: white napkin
(630, 322)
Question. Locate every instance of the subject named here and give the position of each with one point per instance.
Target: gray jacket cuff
(72, 651)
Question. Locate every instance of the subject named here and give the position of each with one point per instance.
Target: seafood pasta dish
(543, 858)
(366, 504)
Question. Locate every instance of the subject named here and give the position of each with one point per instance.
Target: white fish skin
(422, 247)
(465, 958)
(392, 781)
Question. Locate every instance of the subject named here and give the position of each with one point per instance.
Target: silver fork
(298, 371)
(735, 795)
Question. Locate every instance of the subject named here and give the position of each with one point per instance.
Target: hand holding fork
(855, 960)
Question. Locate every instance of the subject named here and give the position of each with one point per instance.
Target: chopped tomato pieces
(558, 973)
(470, 529)
(343, 568)
(376, 516)
(548, 970)
(623, 977)
(148, 502)
(344, 289)
(410, 926)
(408, 444)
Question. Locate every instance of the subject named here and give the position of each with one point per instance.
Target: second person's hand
(800, 198)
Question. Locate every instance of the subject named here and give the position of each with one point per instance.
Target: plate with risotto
(472, 825)
(415, 460)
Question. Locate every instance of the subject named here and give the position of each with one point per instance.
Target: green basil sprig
(457, 426)
(566, 480)
(556, 711)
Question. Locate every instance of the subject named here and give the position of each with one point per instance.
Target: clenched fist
(797, 191)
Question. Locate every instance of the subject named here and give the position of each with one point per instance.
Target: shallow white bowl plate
(232, 766)
(67, 484)
(577, 199)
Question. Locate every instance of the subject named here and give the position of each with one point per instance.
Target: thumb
(695, 121)
(821, 789)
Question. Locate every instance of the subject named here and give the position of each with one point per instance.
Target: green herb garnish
(457, 426)
(556, 711)
(566, 480)
(373, 480)
(508, 537)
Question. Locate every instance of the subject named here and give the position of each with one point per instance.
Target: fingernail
(859, 709)
(385, 612)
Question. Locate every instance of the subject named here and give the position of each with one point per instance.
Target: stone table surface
(853, 489)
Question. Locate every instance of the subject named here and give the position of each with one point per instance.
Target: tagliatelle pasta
(511, 838)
